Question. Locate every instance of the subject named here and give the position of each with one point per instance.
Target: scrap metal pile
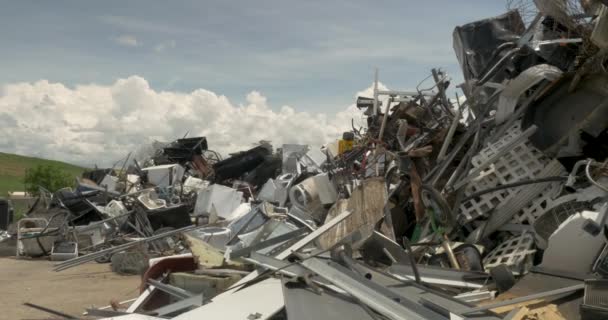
(489, 206)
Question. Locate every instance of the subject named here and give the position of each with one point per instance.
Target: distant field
(12, 170)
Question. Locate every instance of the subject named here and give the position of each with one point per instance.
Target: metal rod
(375, 93)
(410, 255)
(448, 250)
(385, 118)
(449, 136)
(402, 93)
(172, 290)
(267, 243)
(51, 311)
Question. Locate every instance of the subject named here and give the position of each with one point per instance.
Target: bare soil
(70, 291)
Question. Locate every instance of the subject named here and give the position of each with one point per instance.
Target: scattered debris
(438, 209)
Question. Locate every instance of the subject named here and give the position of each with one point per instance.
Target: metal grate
(596, 294)
(530, 213)
(516, 253)
(523, 162)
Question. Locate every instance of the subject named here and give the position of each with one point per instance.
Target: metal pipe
(448, 250)
(513, 185)
(449, 136)
(497, 66)
(402, 93)
(385, 118)
(172, 290)
(51, 311)
(410, 255)
(588, 174)
(375, 93)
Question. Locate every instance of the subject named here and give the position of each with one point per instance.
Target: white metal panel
(264, 298)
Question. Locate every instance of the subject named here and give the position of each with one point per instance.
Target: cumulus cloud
(91, 124)
(127, 41)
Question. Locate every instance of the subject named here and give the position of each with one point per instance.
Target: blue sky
(312, 55)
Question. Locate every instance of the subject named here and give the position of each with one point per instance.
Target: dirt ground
(70, 291)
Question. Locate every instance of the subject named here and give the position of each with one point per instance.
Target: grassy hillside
(12, 170)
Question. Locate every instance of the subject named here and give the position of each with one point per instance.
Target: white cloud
(127, 40)
(99, 124)
(134, 24)
(164, 46)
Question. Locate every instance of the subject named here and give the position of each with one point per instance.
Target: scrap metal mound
(492, 205)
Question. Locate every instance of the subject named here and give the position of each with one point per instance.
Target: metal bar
(402, 93)
(448, 250)
(441, 277)
(95, 224)
(264, 244)
(385, 118)
(375, 93)
(372, 294)
(172, 290)
(51, 311)
(410, 255)
(540, 295)
(142, 299)
(474, 296)
(438, 171)
(449, 136)
(284, 267)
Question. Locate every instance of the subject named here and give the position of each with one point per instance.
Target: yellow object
(346, 143)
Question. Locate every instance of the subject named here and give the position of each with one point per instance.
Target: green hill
(12, 170)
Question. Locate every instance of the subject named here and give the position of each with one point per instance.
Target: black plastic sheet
(476, 43)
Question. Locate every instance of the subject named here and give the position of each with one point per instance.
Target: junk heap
(492, 205)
